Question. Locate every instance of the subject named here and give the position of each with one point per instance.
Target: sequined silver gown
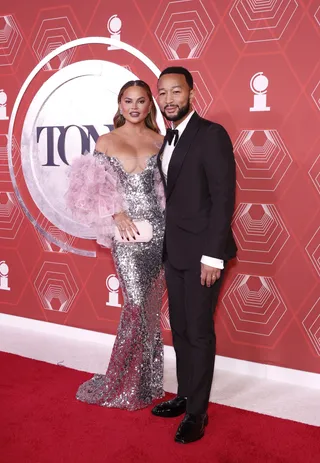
(135, 373)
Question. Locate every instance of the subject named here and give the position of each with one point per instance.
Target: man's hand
(209, 275)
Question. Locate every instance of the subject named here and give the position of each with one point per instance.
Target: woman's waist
(151, 213)
(142, 203)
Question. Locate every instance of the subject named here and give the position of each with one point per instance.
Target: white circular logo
(4, 269)
(64, 120)
(259, 83)
(66, 116)
(3, 97)
(112, 283)
(114, 24)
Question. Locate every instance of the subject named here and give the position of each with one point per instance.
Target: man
(197, 166)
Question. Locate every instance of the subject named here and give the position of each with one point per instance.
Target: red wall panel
(269, 310)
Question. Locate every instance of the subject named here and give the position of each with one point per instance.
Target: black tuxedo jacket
(200, 195)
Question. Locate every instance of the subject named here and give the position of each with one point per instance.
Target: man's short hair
(179, 70)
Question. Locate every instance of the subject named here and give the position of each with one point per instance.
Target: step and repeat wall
(256, 71)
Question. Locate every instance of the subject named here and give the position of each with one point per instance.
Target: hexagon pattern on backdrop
(51, 33)
(10, 40)
(256, 70)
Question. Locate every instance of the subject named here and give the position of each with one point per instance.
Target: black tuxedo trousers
(191, 309)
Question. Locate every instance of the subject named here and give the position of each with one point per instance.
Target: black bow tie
(172, 134)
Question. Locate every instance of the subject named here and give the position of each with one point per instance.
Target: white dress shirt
(166, 158)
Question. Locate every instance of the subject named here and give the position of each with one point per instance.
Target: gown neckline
(122, 166)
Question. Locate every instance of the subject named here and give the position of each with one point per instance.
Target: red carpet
(40, 422)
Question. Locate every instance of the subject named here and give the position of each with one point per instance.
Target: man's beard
(183, 111)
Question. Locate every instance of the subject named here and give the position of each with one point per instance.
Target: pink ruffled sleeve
(94, 195)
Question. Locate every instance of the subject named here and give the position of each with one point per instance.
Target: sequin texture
(135, 373)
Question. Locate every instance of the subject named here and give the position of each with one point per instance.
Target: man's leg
(200, 303)
(178, 323)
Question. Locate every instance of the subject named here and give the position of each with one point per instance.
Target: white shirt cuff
(212, 262)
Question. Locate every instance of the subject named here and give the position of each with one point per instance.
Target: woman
(119, 186)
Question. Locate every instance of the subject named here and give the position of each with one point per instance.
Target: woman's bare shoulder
(104, 142)
(158, 139)
(154, 136)
(158, 136)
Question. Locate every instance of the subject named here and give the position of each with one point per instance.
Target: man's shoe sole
(182, 441)
(168, 414)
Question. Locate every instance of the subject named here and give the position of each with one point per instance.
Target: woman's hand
(125, 225)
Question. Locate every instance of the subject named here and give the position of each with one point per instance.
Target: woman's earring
(120, 111)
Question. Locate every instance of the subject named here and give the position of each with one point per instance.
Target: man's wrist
(212, 262)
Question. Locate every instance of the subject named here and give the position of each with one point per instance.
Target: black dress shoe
(171, 408)
(191, 428)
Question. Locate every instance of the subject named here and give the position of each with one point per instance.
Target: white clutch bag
(145, 230)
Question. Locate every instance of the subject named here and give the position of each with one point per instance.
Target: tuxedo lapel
(159, 162)
(180, 152)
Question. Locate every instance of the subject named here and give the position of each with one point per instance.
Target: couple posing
(184, 186)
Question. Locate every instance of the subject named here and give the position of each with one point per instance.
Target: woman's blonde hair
(150, 120)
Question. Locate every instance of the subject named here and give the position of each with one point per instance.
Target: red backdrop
(269, 311)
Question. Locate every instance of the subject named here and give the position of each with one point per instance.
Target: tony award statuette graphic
(114, 27)
(259, 84)
(112, 283)
(3, 106)
(4, 271)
